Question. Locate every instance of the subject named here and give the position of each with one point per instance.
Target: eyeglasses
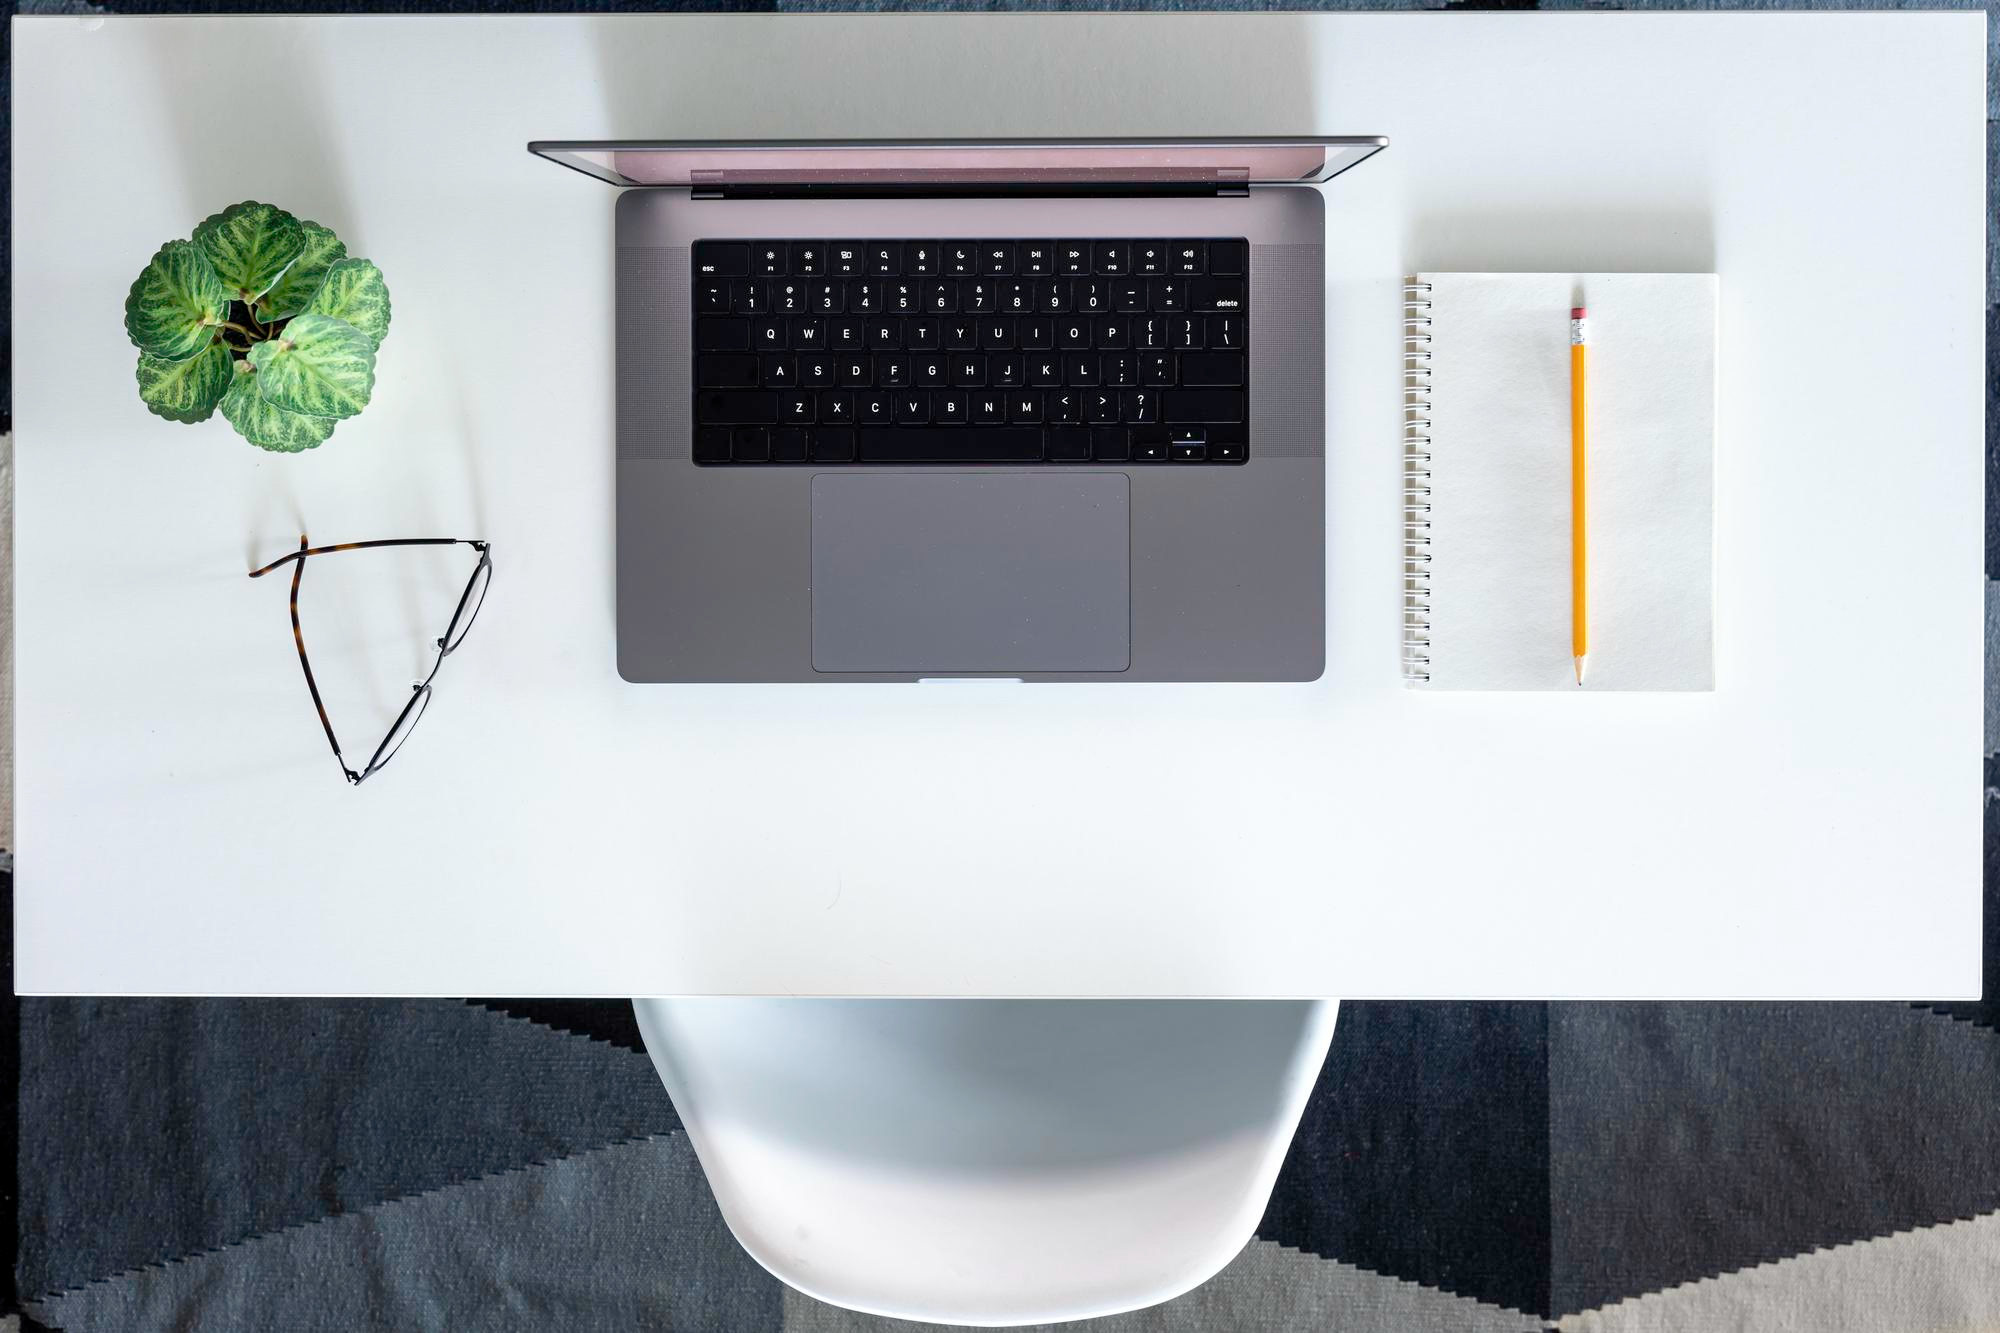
(420, 693)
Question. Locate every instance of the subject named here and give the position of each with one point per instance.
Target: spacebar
(950, 444)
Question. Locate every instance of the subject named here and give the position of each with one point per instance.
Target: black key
(1205, 368)
(1110, 444)
(767, 259)
(912, 408)
(1052, 296)
(1149, 446)
(1073, 257)
(1216, 294)
(1168, 294)
(988, 444)
(1226, 257)
(788, 444)
(1068, 444)
(1185, 331)
(1016, 297)
(854, 370)
(711, 444)
(961, 258)
(976, 298)
(1063, 407)
(1121, 368)
(1141, 407)
(885, 258)
(1188, 453)
(920, 258)
(808, 259)
(1225, 330)
(750, 444)
(1035, 334)
(989, 409)
(1073, 334)
(1024, 405)
(1149, 257)
(833, 444)
(1037, 259)
(790, 298)
(921, 335)
(892, 372)
(874, 409)
(968, 372)
(940, 298)
(816, 371)
(1149, 332)
(885, 335)
(722, 335)
(1226, 444)
(997, 258)
(948, 407)
(1007, 370)
(711, 296)
(1129, 295)
(726, 371)
(1091, 297)
(1112, 331)
(807, 335)
(1044, 371)
(836, 409)
(1157, 368)
(767, 335)
(1110, 257)
(996, 335)
(775, 370)
(722, 259)
(1202, 405)
(796, 408)
(747, 297)
(733, 405)
(1082, 368)
(846, 335)
(928, 372)
(844, 259)
(864, 298)
(961, 335)
(1100, 407)
(1187, 435)
(1190, 257)
(902, 298)
(829, 298)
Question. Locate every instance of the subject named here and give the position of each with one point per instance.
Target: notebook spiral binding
(1416, 482)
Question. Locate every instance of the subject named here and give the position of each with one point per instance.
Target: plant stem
(253, 337)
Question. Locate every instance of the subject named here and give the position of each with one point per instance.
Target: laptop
(1030, 410)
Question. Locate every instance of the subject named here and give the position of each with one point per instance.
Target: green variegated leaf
(186, 390)
(172, 310)
(321, 366)
(301, 278)
(354, 291)
(250, 244)
(270, 427)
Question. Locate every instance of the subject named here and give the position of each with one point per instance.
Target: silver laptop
(1045, 410)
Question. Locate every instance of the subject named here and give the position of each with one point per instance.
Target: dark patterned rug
(510, 1164)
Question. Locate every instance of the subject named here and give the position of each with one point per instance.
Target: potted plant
(264, 316)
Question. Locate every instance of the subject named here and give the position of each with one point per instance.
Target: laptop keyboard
(971, 351)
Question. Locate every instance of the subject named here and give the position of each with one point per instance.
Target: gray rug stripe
(215, 1120)
(626, 1237)
(1692, 1140)
(1943, 1279)
(1266, 1289)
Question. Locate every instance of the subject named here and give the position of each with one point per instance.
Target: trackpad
(931, 573)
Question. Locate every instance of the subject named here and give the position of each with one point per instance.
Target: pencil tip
(1579, 671)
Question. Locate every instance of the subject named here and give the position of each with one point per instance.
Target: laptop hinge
(1025, 190)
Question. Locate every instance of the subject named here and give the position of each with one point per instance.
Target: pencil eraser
(1578, 312)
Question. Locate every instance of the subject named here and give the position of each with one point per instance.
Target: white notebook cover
(1493, 416)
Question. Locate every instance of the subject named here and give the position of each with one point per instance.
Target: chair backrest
(990, 1161)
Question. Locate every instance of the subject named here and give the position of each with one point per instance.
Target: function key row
(970, 258)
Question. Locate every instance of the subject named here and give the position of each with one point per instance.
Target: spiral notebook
(1487, 471)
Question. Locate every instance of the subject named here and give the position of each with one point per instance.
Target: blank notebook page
(1499, 394)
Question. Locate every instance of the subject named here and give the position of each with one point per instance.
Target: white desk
(1810, 829)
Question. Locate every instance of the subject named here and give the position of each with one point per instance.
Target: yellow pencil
(1579, 588)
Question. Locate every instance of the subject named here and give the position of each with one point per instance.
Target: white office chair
(990, 1161)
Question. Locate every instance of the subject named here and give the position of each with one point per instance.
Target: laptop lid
(973, 166)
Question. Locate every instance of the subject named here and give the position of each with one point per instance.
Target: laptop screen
(964, 163)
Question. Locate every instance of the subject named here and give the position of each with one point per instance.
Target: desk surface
(1810, 829)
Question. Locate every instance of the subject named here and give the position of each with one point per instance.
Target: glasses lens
(405, 724)
(468, 605)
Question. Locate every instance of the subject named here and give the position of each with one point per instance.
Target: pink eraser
(1578, 312)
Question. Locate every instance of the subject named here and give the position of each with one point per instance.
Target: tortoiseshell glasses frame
(467, 611)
